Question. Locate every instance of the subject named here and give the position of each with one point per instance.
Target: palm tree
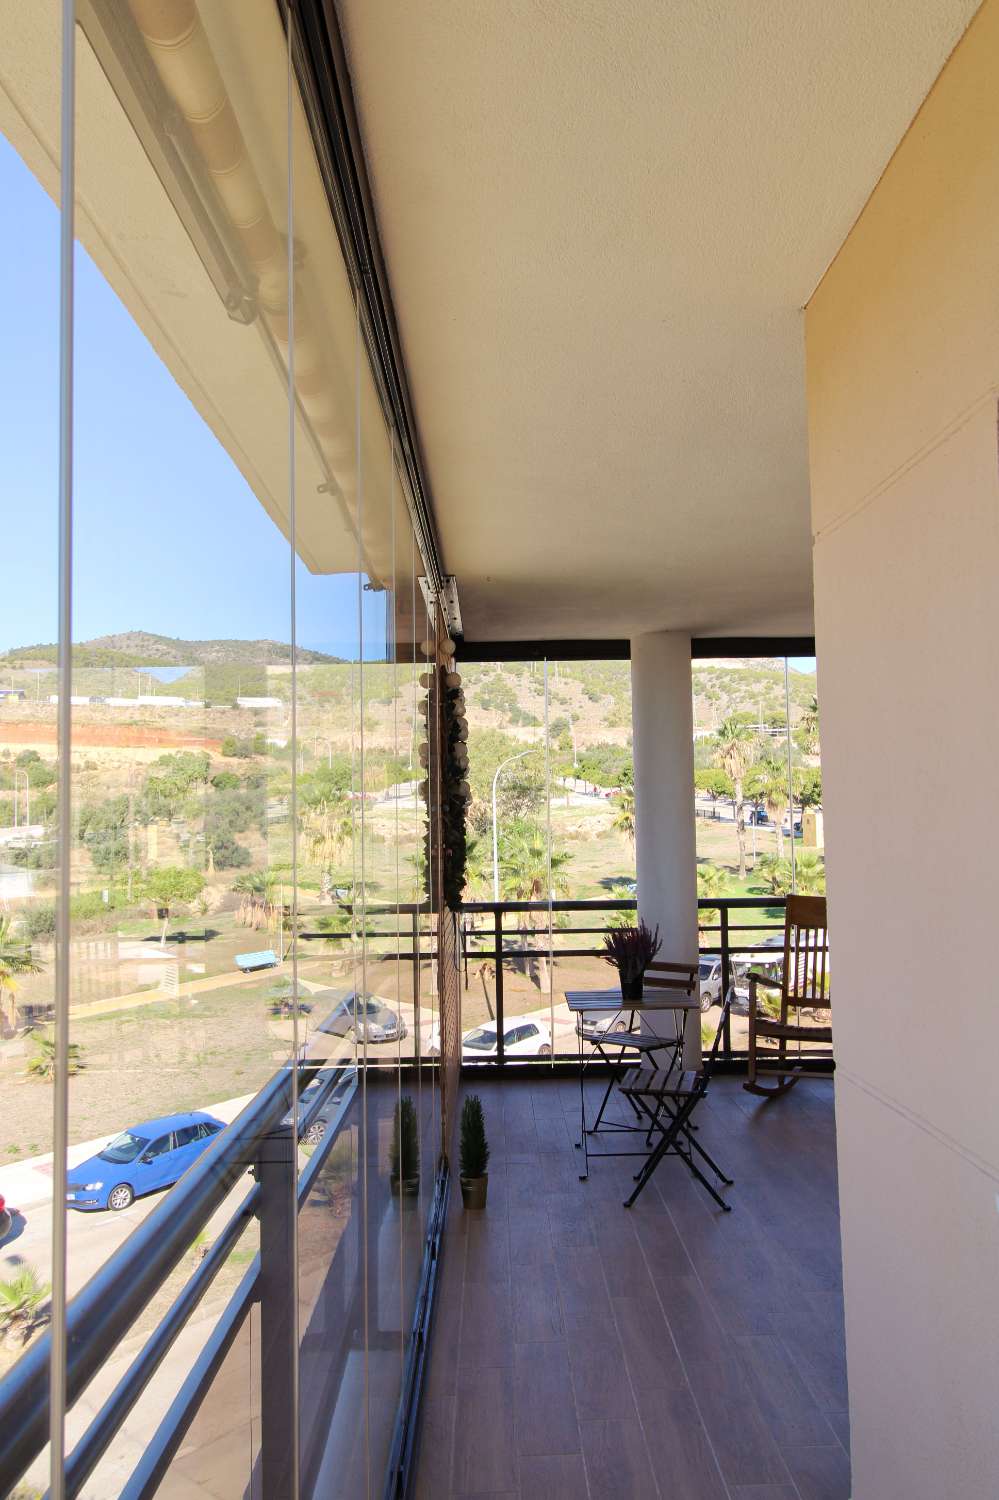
(43, 1063)
(328, 826)
(526, 864)
(712, 880)
(259, 891)
(22, 1300)
(809, 726)
(770, 781)
(735, 754)
(15, 959)
(809, 874)
(624, 810)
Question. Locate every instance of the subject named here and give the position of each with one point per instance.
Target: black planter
(631, 989)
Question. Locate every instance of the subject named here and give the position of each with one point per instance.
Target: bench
(265, 959)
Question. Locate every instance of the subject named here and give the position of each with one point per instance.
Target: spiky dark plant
(404, 1148)
(474, 1146)
(631, 949)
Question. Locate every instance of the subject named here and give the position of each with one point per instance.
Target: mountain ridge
(144, 648)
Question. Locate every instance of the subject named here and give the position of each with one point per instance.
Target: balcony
(670, 1350)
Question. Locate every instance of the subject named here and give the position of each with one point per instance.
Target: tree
(712, 881)
(808, 786)
(43, 1063)
(171, 886)
(809, 873)
(606, 765)
(769, 781)
(22, 1299)
(260, 891)
(715, 782)
(103, 830)
(173, 785)
(735, 752)
(15, 960)
(809, 727)
(328, 828)
(526, 864)
(624, 807)
(521, 787)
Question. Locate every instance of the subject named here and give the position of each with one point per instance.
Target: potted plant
(631, 950)
(474, 1154)
(404, 1149)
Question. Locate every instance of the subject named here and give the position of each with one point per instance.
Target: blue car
(143, 1160)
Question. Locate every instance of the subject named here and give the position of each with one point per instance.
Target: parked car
(145, 1159)
(364, 1018)
(316, 1127)
(709, 976)
(522, 1037)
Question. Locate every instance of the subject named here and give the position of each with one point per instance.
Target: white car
(522, 1037)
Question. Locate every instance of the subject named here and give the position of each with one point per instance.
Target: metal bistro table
(590, 1002)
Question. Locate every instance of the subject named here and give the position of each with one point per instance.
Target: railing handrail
(103, 1311)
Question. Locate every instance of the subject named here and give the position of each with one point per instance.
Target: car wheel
(545, 1050)
(120, 1197)
(315, 1132)
(707, 1000)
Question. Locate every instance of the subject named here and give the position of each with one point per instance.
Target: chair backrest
(804, 981)
(670, 976)
(708, 1063)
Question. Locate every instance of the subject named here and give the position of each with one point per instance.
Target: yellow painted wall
(903, 372)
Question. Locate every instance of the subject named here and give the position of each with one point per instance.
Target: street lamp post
(509, 761)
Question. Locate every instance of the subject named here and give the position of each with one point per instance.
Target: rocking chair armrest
(756, 978)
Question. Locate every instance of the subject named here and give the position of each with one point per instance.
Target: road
(92, 1237)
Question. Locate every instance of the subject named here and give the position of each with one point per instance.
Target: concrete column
(665, 842)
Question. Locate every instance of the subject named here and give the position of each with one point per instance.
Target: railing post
(278, 1352)
(498, 949)
(415, 939)
(726, 959)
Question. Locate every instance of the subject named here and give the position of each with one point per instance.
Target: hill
(594, 697)
(141, 648)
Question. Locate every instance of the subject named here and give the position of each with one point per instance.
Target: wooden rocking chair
(803, 985)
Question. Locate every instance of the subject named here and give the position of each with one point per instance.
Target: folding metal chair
(663, 979)
(668, 1106)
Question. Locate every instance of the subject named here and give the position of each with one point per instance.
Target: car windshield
(705, 967)
(481, 1038)
(124, 1147)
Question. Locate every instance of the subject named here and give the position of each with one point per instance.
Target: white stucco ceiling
(602, 220)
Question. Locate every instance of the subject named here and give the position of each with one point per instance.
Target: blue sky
(168, 536)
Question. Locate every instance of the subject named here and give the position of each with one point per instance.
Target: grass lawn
(162, 1057)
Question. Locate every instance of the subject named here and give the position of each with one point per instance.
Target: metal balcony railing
(261, 1141)
(744, 928)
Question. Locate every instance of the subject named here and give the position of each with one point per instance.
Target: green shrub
(404, 1148)
(474, 1150)
(39, 921)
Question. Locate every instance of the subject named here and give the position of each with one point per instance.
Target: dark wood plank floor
(669, 1350)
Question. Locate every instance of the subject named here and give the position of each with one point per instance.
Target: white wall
(903, 367)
